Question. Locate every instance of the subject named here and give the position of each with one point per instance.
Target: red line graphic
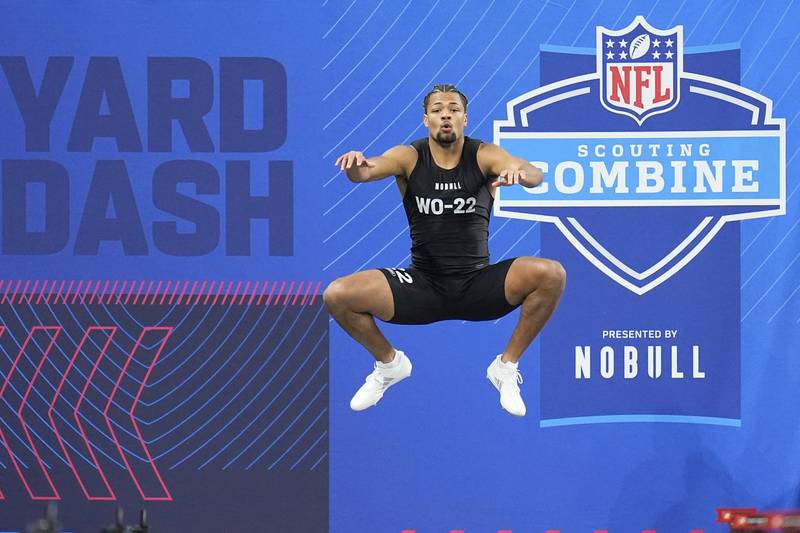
(54, 333)
(146, 292)
(99, 300)
(130, 292)
(33, 291)
(264, 290)
(138, 292)
(166, 291)
(66, 294)
(96, 288)
(299, 290)
(316, 290)
(77, 291)
(121, 290)
(244, 292)
(271, 290)
(141, 286)
(191, 293)
(22, 294)
(16, 288)
(185, 284)
(85, 292)
(200, 292)
(288, 293)
(210, 290)
(155, 292)
(110, 495)
(278, 296)
(149, 292)
(189, 296)
(167, 332)
(41, 293)
(305, 296)
(253, 294)
(111, 292)
(219, 291)
(63, 281)
(2, 330)
(235, 292)
(174, 292)
(227, 291)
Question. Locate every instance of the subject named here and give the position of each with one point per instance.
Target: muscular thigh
(366, 292)
(526, 275)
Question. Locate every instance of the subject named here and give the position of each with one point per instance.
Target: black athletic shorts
(422, 298)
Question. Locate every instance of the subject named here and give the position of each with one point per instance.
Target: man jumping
(447, 182)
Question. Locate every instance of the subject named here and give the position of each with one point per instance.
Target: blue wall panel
(114, 219)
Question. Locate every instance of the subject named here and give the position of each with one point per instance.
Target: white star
(669, 55)
(656, 43)
(609, 43)
(623, 55)
(656, 55)
(669, 43)
(610, 55)
(623, 43)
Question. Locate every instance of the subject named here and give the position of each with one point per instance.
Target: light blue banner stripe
(749, 167)
(611, 419)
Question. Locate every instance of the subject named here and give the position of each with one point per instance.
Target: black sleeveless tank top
(448, 212)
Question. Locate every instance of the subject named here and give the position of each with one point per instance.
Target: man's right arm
(397, 161)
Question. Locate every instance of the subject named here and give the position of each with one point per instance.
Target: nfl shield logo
(639, 68)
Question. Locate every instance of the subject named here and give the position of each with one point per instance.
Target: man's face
(445, 118)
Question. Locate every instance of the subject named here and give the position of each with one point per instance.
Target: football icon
(639, 46)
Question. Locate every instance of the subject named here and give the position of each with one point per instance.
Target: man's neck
(446, 155)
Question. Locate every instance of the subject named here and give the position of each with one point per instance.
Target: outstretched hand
(510, 177)
(351, 158)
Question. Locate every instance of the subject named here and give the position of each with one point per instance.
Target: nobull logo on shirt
(651, 154)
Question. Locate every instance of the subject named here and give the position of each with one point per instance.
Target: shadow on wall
(680, 488)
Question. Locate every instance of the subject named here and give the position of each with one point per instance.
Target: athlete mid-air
(447, 182)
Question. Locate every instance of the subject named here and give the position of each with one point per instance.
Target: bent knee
(548, 274)
(335, 294)
(555, 274)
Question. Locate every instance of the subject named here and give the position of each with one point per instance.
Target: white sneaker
(381, 379)
(506, 379)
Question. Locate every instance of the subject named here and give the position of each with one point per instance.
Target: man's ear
(425, 120)
(465, 120)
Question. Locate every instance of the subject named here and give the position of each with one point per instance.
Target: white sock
(507, 364)
(393, 363)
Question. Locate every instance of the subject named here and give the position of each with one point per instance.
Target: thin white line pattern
(353, 240)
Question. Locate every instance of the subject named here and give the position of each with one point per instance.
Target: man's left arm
(510, 170)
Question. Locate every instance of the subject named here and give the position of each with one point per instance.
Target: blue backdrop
(174, 145)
